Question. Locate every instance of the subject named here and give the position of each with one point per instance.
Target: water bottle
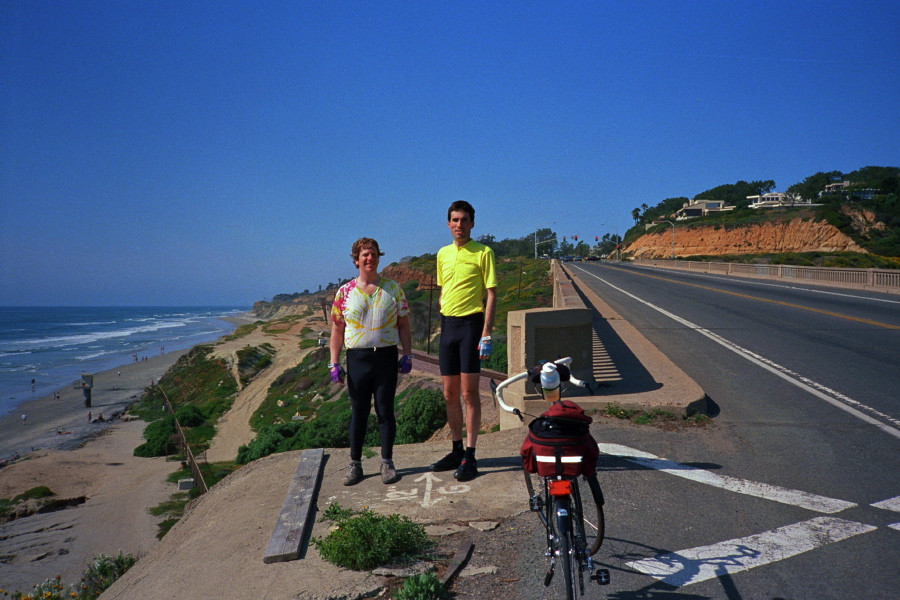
(550, 382)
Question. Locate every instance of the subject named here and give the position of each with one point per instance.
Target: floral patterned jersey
(370, 319)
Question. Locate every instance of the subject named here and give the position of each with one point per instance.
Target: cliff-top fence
(881, 280)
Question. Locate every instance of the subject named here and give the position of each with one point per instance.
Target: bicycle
(552, 477)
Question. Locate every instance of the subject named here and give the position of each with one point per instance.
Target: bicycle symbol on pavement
(431, 496)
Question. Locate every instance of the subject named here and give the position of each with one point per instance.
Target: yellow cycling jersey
(464, 273)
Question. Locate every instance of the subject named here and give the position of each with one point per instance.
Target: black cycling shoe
(448, 463)
(467, 470)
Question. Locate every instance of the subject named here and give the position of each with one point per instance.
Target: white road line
(791, 497)
(818, 390)
(889, 504)
(895, 526)
(733, 556)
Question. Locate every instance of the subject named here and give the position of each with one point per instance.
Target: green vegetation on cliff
(880, 236)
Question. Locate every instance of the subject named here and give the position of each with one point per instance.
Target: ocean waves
(53, 346)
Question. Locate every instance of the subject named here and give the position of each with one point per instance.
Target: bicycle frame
(560, 509)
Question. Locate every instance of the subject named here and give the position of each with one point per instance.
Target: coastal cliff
(303, 304)
(800, 234)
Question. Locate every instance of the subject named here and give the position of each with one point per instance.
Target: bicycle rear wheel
(562, 531)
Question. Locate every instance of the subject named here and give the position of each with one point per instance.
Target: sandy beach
(93, 461)
(60, 449)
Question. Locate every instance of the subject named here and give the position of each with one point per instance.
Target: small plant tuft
(422, 587)
(365, 540)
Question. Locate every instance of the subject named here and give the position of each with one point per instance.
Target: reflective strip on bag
(565, 459)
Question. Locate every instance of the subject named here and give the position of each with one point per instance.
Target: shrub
(103, 572)
(190, 416)
(366, 540)
(157, 435)
(423, 413)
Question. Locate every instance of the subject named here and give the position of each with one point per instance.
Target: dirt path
(233, 429)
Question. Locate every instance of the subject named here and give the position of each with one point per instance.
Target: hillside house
(700, 208)
(777, 200)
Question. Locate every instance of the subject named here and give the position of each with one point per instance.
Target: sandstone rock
(797, 235)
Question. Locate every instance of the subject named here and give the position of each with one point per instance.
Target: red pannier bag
(559, 442)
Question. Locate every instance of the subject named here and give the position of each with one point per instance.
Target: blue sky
(220, 153)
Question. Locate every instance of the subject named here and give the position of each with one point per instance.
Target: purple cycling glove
(337, 373)
(405, 364)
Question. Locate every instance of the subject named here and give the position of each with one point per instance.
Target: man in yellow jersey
(468, 280)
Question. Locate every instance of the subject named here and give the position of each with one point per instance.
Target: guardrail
(882, 280)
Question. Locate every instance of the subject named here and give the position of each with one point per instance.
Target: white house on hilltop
(777, 200)
(700, 208)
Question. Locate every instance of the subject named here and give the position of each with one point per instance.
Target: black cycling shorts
(458, 352)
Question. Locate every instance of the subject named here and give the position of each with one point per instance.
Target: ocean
(53, 346)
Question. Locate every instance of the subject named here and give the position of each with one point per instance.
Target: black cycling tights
(372, 373)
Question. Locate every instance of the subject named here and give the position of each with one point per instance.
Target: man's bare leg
(455, 419)
(472, 397)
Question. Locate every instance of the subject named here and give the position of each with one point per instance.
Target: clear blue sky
(171, 152)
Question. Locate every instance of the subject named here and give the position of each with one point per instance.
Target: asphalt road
(793, 492)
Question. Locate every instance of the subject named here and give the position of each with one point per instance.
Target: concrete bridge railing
(881, 280)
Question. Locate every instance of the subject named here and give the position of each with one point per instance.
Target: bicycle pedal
(536, 504)
(601, 577)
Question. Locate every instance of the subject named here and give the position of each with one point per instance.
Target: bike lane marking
(799, 498)
(892, 504)
(698, 564)
(431, 496)
(694, 565)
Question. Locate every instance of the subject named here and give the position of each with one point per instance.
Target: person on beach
(370, 317)
(468, 281)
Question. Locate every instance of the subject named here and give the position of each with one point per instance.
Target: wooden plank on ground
(460, 558)
(294, 522)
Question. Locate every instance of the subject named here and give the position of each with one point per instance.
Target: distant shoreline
(63, 424)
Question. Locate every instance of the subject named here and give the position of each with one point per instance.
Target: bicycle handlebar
(520, 376)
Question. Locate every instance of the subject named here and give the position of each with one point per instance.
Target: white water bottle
(550, 382)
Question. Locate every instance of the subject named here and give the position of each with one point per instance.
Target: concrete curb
(666, 386)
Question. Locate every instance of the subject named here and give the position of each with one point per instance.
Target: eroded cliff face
(797, 235)
(275, 310)
(403, 274)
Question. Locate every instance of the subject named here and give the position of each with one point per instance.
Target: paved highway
(794, 491)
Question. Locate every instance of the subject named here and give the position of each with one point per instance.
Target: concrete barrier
(878, 280)
(619, 363)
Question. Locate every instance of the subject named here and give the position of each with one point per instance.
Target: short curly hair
(461, 206)
(361, 244)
